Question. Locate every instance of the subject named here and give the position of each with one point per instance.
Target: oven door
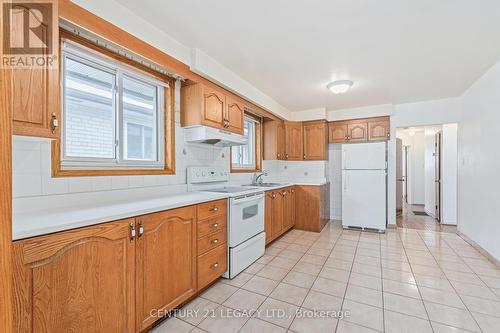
(246, 218)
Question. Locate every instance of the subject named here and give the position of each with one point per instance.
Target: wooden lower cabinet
(165, 262)
(102, 278)
(279, 212)
(76, 281)
(312, 207)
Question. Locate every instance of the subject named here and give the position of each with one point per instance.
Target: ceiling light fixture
(340, 86)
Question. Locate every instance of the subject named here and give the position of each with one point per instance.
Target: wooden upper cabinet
(379, 129)
(75, 281)
(274, 140)
(337, 132)
(315, 140)
(35, 91)
(166, 262)
(205, 105)
(357, 131)
(293, 141)
(234, 115)
(214, 106)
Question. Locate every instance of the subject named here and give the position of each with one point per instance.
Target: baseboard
(480, 249)
(392, 226)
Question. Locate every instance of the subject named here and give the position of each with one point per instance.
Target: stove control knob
(203, 173)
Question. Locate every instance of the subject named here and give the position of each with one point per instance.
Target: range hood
(213, 136)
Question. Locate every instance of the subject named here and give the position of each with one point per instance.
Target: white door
(364, 198)
(364, 156)
(399, 175)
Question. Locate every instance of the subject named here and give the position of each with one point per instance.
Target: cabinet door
(337, 132)
(166, 262)
(277, 214)
(35, 91)
(234, 115)
(288, 209)
(315, 140)
(357, 131)
(292, 205)
(269, 215)
(76, 281)
(281, 141)
(213, 108)
(378, 129)
(293, 141)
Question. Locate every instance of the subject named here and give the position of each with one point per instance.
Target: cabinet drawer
(212, 265)
(206, 227)
(211, 209)
(211, 241)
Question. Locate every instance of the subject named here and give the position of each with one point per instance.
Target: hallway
(408, 219)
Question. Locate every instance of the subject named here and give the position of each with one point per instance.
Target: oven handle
(248, 199)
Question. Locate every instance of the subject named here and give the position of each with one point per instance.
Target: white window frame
(72, 50)
(238, 165)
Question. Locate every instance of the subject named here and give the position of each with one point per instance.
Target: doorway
(426, 170)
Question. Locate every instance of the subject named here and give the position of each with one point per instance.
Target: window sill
(244, 170)
(168, 169)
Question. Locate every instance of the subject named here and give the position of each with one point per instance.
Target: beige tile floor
(403, 281)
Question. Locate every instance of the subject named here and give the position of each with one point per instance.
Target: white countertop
(45, 222)
(41, 221)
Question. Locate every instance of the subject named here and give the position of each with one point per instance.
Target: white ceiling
(395, 51)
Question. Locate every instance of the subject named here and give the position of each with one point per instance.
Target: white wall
(416, 114)
(479, 162)
(335, 177)
(430, 171)
(312, 114)
(361, 112)
(449, 166)
(416, 166)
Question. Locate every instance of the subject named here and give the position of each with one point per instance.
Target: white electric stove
(245, 234)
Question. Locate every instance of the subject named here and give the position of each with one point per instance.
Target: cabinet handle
(215, 241)
(214, 209)
(273, 195)
(132, 231)
(388, 134)
(304, 156)
(293, 191)
(141, 230)
(286, 156)
(215, 265)
(215, 225)
(55, 123)
(279, 156)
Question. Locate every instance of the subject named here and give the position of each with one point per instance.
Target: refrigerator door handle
(345, 181)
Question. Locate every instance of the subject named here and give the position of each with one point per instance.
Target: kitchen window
(247, 158)
(114, 114)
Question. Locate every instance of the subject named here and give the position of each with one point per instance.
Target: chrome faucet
(257, 177)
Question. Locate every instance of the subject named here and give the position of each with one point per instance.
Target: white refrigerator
(364, 186)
